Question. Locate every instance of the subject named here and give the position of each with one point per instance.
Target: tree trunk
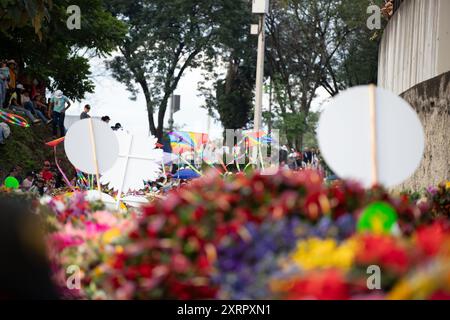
(299, 143)
(161, 114)
(151, 121)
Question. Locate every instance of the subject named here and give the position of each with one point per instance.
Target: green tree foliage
(356, 60)
(166, 37)
(314, 44)
(19, 13)
(61, 56)
(232, 96)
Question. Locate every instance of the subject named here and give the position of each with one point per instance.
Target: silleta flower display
(287, 236)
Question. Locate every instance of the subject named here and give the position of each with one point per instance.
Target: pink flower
(61, 241)
(105, 218)
(93, 229)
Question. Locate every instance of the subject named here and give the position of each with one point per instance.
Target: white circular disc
(94, 195)
(135, 201)
(344, 135)
(79, 149)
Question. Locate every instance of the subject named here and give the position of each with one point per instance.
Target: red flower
(326, 285)
(180, 263)
(131, 273)
(431, 238)
(203, 264)
(395, 259)
(119, 261)
(440, 295)
(383, 250)
(187, 232)
(313, 207)
(134, 235)
(150, 210)
(145, 270)
(116, 283)
(199, 213)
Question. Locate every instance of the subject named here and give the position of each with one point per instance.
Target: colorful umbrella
(182, 141)
(257, 138)
(56, 142)
(186, 174)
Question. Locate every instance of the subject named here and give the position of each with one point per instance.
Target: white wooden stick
(373, 134)
(125, 169)
(94, 152)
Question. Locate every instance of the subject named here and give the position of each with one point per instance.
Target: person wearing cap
(59, 101)
(85, 113)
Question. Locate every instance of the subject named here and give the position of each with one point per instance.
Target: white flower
(138, 161)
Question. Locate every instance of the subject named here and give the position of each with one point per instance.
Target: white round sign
(344, 135)
(79, 147)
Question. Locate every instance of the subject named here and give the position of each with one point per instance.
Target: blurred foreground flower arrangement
(286, 236)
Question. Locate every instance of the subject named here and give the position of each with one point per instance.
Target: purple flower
(432, 190)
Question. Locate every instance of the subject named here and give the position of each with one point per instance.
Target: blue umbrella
(186, 174)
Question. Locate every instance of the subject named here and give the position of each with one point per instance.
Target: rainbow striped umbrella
(257, 138)
(182, 141)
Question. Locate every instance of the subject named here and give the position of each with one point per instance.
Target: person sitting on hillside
(27, 183)
(28, 104)
(59, 101)
(5, 132)
(2, 136)
(4, 79)
(40, 104)
(17, 108)
(12, 66)
(46, 172)
(16, 173)
(38, 186)
(85, 113)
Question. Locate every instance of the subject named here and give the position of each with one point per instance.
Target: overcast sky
(111, 98)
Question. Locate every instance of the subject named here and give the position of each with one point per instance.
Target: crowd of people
(18, 99)
(41, 181)
(106, 119)
(29, 100)
(309, 158)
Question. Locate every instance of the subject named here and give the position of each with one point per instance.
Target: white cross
(127, 157)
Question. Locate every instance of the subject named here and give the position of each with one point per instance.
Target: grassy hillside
(26, 147)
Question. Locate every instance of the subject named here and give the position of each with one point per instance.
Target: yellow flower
(423, 283)
(98, 271)
(111, 235)
(419, 287)
(317, 253)
(447, 185)
(402, 291)
(119, 249)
